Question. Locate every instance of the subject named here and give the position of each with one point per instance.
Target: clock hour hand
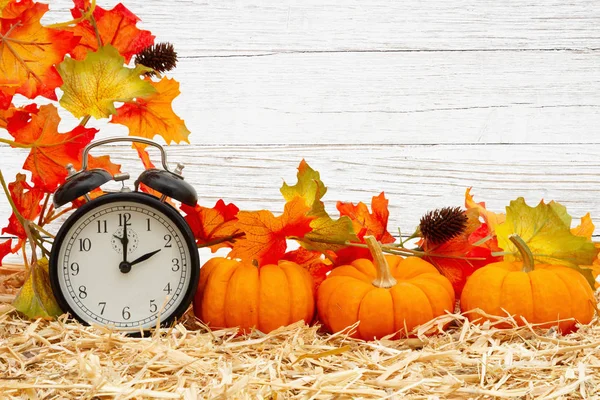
(144, 257)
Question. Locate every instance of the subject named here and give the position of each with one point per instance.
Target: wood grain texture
(257, 72)
(233, 27)
(418, 99)
(415, 179)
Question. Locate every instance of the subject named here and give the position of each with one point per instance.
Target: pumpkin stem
(524, 251)
(384, 276)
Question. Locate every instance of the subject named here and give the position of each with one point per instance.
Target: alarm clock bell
(168, 183)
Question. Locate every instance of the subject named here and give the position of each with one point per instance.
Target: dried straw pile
(63, 359)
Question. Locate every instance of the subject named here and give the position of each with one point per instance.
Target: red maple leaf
(29, 51)
(459, 257)
(5, 100)
(365, 223)
(266, 235)
(5, 248)
(27, 200)
(312, 261)
(51, 151)
(116, 27)
(210, 225)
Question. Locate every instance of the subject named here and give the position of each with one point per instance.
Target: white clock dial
(124, 264)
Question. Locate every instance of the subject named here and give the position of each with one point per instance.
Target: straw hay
(63, 359)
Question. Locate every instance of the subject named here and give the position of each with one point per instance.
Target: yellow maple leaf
(35, 298)
(93, 85)
(546, 229)
(153, 115)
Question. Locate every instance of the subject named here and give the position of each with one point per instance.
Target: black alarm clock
(126, 260)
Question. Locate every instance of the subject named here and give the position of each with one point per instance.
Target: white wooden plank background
(418, 99)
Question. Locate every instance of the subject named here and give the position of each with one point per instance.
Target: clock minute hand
(144, 257)
(125, 241)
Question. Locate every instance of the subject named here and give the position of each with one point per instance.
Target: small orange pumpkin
(387, 295)
(240, 294)
(540, 293)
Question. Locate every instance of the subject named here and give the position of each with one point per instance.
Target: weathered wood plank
(415, 178)
(337, 95)
(415, 98)
(392, 98)
(198, 27)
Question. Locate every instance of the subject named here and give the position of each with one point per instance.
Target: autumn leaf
(14, 8)
(213, 225)
(3, 4)
(365, 223)
(35, 298)
(489, 217)
(143, 155)
(50, 151)
(29, 51)
(27, 200)
(265, 239)
(312, 261)
(153, 115)
(116, 27)
(92, 86)
(546, 229)
(585, 228)
(311, 189)
(5, 102)
(459, 257)
(5, 248)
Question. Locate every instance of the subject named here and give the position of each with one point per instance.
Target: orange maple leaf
(5, 248)
(29, 51)
(52, 151)
(365, 223)
(215, 225)
(266, 234)
(153, 114)
(27, 200)
(143, 155)
(116, 27)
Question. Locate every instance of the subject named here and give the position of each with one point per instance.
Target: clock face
(124, 260)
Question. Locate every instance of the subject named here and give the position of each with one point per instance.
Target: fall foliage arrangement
(348, 270)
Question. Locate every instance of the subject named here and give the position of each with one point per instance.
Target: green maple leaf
(546, 229)
(312, 189)
(35, 299)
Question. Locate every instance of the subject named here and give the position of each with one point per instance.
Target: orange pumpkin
(540, 293)
(239, 294)
(387, 295)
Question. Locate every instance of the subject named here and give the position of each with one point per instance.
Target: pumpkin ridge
(500, 309)
(360, 304)
(338, 292)
(568, 286)
(425, 293)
